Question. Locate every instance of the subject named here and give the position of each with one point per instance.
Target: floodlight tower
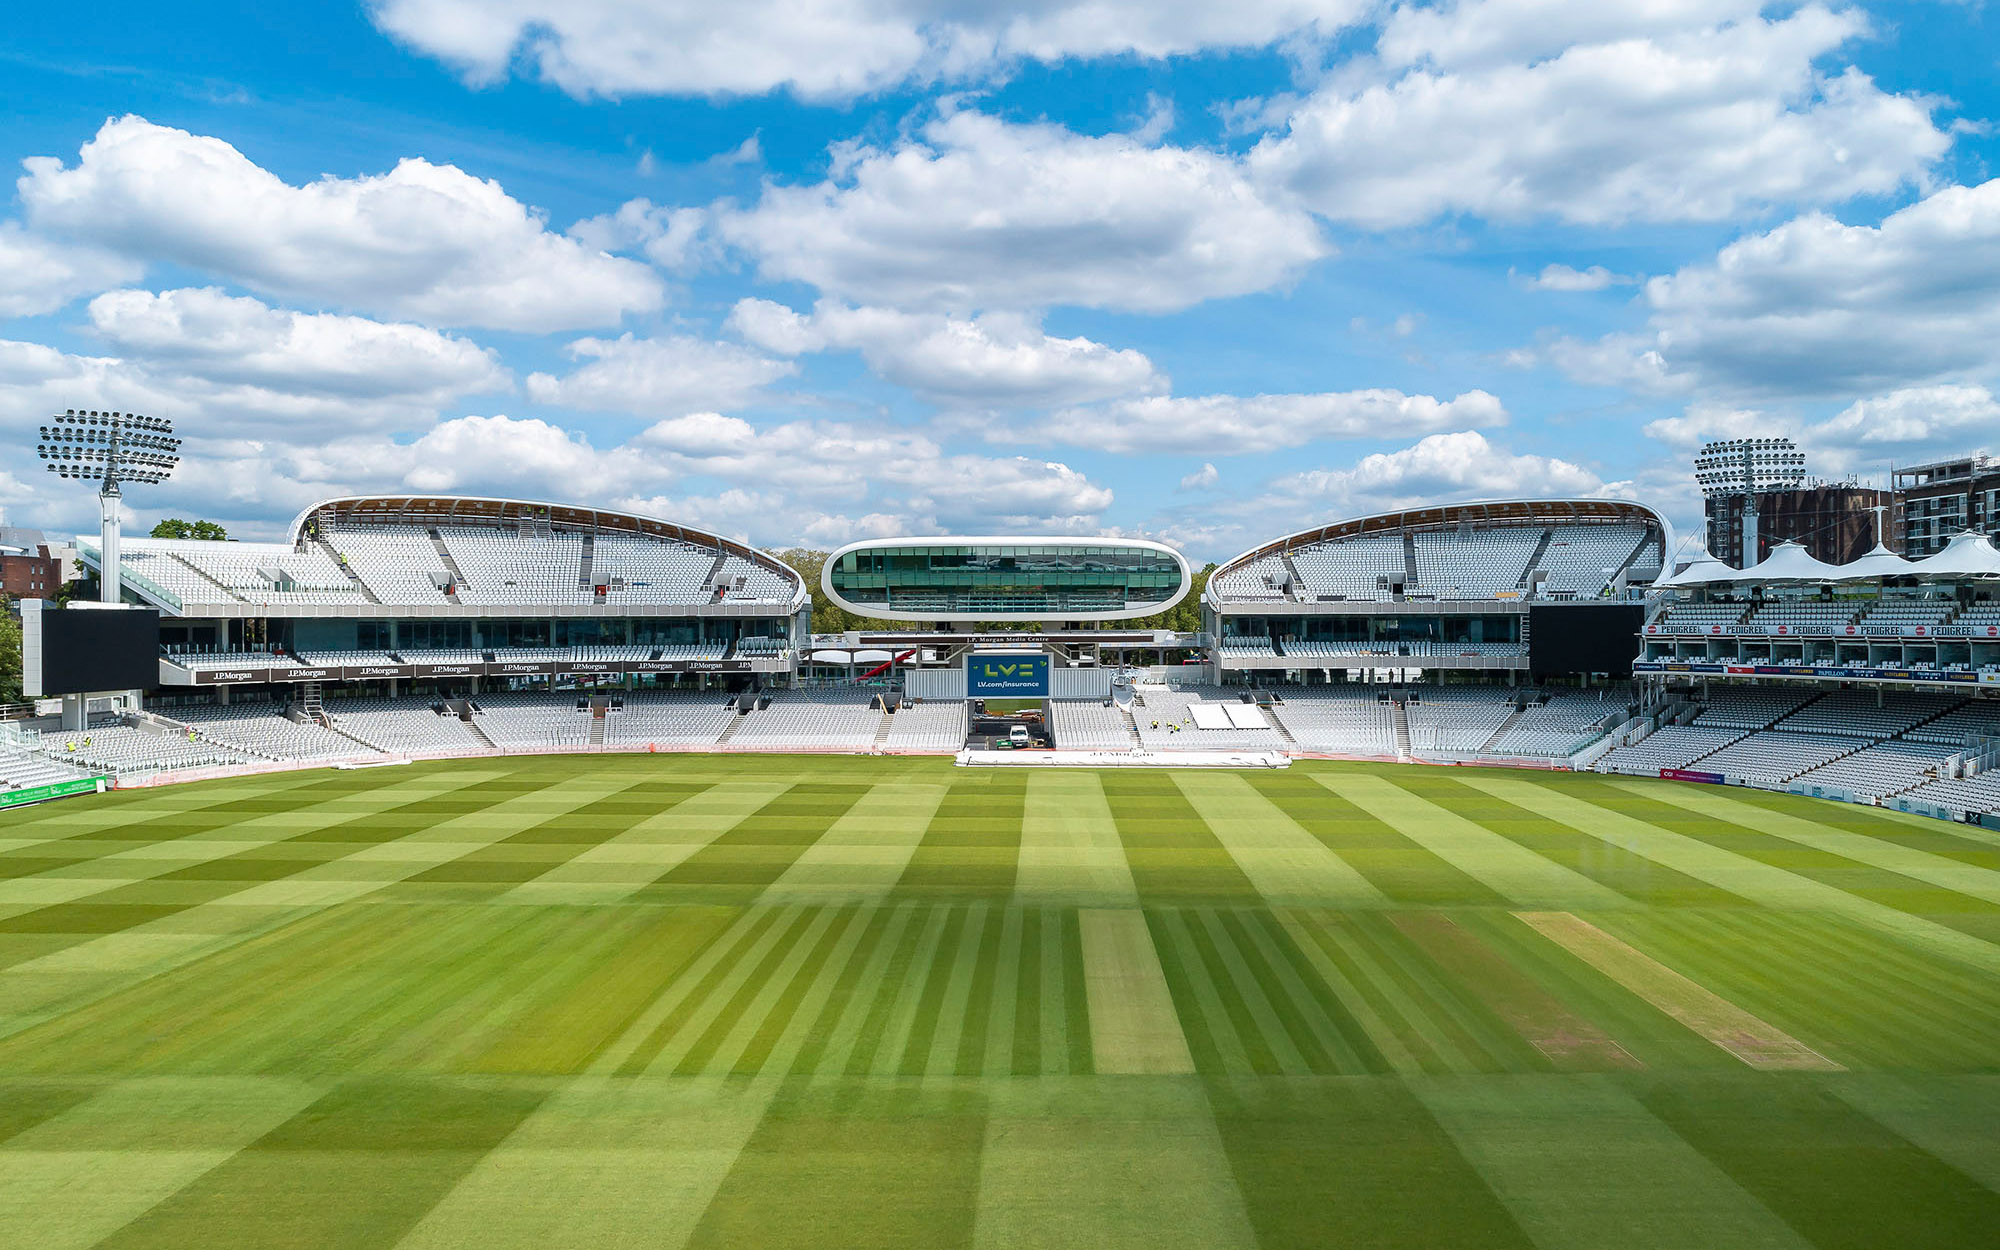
(1749, 467)
(110, 448)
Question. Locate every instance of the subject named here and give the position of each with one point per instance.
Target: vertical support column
(110, 569)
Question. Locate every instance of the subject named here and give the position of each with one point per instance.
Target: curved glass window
(1026, 580)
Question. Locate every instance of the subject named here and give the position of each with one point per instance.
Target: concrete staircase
(1401, 716)
(450, 566)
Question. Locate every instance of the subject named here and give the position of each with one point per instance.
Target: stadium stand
(125, 749)
(928, 726)
(1337, 720)
(1555, 727)
(264, 729)
(403, 726)
(1180, 719)
(818, 720)
(506, 566)
(1477, 563)
(398, 565)
(21, 768)
(1089, 725)
(669, 718)
(1356, 568)
(531, 720)
(1457, 720)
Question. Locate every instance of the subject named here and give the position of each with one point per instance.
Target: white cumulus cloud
(423, 241)
(817, 48)
(1654, 113)
(39, 276)
(979, 214)
(1243, 424)
(998, 360)
(673, 373)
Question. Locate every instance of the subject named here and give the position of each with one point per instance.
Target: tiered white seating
(1750, 707)
(1806, 614)
(670, 717)
(1852, 713)
(652, 570)
(124, 749)
(1551, 729)
(1670, 746)
(337, 658)
(1475, 564)
(198, 660)
(169, 574)
(817, 720)
(1881, 769)
(1165, 723)
(693, 650)
(1088, 725)
(1905, 613)
(21, 768)
(1698, 618)
(506, 566)
(759, 583)
(565, 655)
(1771, 758)
(1582, 559)
(1331, 649)
(1966, 794)
(759, 645)
(1338, 720)
(397, 563)
(1979, 616)
(443, 655)
(264, 729)
(928, 726)
(1456, 719)
(246, 568)
(403, 726)
(1978, 719)
(531, 719)
(1256, 580)
(1349, 569)
(1247, 644)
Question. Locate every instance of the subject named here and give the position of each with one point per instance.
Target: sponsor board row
(502, 668)
(1825, 672)
(1827, 631)
(53, 790)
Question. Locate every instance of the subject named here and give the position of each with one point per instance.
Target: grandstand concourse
(385, 592)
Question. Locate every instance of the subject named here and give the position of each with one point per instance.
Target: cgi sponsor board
(1690, 774)
(1007, 676)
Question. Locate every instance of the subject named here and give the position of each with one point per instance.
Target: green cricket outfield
(749, 1001)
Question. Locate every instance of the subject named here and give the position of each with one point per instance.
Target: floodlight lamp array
(110, 447)
(1749, 466)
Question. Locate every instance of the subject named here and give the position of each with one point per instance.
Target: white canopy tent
(1968, 554)
(1879, 562)
(1703, 570)
(1788, 562)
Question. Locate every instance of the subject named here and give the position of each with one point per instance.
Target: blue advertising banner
(1007, 676)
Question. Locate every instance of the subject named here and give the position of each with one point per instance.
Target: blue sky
(813, 270)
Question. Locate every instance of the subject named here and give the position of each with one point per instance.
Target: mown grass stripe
(1949, 1117)
(746, 922)
(861, 856)
(782, 976)
(878, 995)
(1758, 1043)
(1403, 870)
(1029, 997)
(826, 1049)
(1566, 1039)
(757, 850)
(684, 1029)
(980, 1026)
(1934, 870)
(1212, 1039)
(1402, 1004)
(1516, 873)
(1070, 851)
(1384, 1049)
(1004, 1000)
(1134, 1029)
(1759, 882)
(789, 1028)
(618, 868)
(1833, 1173)
(1470, 1025)
(79, 1177)
(1338, 1045)
(952, 1023)
(1286, 864)
(1582, 1165)
(913, 1056)
(1252, 986)
(890, 1031)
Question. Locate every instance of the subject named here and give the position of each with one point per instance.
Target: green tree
(828, 616)
(175, 527)
(10, 652)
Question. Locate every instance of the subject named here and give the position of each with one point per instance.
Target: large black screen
(1584, 637)
(90, 649)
